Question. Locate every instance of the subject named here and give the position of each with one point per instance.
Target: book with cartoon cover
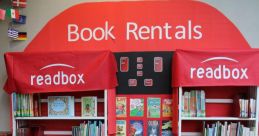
(167, 107)
(166, 128)
(121, 106)
(153, 128)
(120, 127)
(153, 107)
(136, 128)
(89, 106)
(137, 107)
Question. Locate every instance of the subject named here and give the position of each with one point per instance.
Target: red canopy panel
(60, 71)
(216, 68)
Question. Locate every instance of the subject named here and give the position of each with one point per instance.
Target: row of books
(136, 128)
(247, 108)
(25, 105)
(232, 129)
(30, 131)
(28, 105)
(64, 106)
(193, 104)
(91, 128)
(137, 106)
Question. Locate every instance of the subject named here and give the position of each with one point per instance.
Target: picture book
(167, 107)
(120, 127)
(153, 128)
(137, 107)
(166, 128)
(121, 106)
(153, 107)
(136, 128)
(89, 106)
(61, 106)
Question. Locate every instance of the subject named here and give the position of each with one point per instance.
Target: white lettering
(192, 70)
(220, 72)
(72, 30)
(60, 78)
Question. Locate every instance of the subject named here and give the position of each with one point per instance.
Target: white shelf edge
(59, 118)
(58, 133)
(76, 100)
(219, 100)
(218, 118)
(191, 134)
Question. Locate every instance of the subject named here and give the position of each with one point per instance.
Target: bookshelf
(77, 119)
(230, 82)
(67, 79)
(220, 105)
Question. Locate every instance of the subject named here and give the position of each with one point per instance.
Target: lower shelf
(58, 133)
(191, 134)
(219, 118)
(59, 118)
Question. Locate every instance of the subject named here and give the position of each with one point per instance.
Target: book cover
(153, 128)
(120, 127)
(193, 107)
(167, 108)
(14, 102)
(89, 106)
(203, 104)
(60, 106)
(136, 128)
(121, 106)
(137, 107)
(166, 128)
(153, 107)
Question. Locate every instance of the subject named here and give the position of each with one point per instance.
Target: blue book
(14, 104)
(153, 128)
(61, 106)
(136, 127)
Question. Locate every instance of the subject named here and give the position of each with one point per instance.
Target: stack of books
(232, 129)
(247, 108)
(24, 105)
(193, 104)
(92, 128)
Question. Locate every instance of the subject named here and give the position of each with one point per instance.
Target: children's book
(136, 107)
(89, 106)
(166, 128)
(61, 106)
(153, 107)
(136, 128)
(121, 106)
(120, 127)
(167, 108)
(153, 128)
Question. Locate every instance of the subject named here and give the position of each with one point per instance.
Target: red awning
(60, 71)
(216, 68)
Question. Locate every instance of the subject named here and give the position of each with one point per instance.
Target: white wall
(244, 15)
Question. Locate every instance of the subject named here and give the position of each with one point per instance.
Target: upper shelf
(59, 118)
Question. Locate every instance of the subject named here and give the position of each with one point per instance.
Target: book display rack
(62, 96)
(216, 93)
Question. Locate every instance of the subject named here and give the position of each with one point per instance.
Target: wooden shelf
(219, 118)
(59, 118)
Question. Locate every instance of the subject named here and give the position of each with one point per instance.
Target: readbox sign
(74, 71)
(210, 68)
